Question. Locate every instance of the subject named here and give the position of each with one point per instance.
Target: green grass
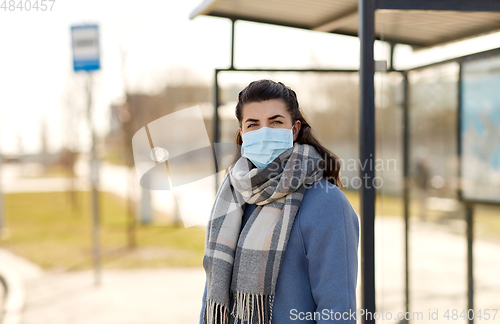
(487, 222)
(384, 205)
(44, 228)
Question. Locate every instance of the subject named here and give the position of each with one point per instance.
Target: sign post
(86, 57)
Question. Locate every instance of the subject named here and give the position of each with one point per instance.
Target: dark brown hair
(262, 90)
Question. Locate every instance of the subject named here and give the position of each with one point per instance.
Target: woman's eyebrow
(251, 120)
(275, 116)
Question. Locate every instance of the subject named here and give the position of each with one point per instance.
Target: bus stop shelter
(419, 23)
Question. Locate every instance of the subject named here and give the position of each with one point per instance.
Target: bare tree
(127, 133)
(72, 100)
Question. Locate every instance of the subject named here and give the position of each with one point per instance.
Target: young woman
(282, 239)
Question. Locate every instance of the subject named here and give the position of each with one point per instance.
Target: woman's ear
(296, 129)
(241, 134)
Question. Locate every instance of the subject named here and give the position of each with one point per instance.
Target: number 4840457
(486, 314)
(27, 5)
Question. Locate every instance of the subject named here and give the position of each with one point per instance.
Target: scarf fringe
(251, 308)
(215, 313)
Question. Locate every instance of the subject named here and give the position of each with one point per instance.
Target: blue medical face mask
(264, 145)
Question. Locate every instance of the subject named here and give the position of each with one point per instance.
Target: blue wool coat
(317, 278)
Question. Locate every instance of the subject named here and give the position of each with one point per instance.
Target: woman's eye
(251, 125)
(277, 121)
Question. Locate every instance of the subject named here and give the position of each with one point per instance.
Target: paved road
(119, 180)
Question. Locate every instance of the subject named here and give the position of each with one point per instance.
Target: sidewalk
(128, 296)
(438, 269)
(149, 296)
(125, 296)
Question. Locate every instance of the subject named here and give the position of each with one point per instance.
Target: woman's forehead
(265, 109)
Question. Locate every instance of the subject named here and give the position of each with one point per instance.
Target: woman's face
(270, 113)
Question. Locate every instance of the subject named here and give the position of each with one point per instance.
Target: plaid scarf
(242, 268)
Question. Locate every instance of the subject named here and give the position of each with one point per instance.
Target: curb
(15, 296)
(14, 273)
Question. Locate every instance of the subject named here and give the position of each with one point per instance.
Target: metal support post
(366, 9)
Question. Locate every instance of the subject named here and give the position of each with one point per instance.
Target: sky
(160, 42)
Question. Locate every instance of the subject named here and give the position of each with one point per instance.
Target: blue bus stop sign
(85, 45)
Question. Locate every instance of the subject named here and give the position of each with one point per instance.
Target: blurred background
(156, 61)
